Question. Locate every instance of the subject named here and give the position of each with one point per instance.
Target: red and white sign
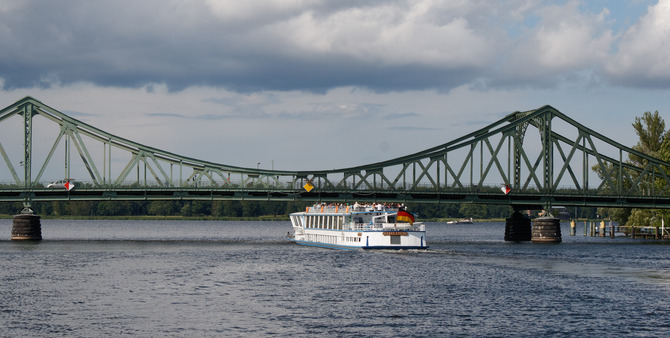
(69, 185)
(506, 189)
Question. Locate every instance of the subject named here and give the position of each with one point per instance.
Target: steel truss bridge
(542, 155)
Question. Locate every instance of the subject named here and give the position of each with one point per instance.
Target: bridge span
(544, 157)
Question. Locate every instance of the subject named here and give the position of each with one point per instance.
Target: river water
(210, 278)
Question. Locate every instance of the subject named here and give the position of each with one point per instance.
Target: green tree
(499, 211)
(165, 208)
(59, 208)
(650, 129)
(232, 208)
(218, 208)
(474, 210)
(201, 208)
(664, 154)
(113, 208)
(80, 208)
(186, 209)
(10, 208)
(250, 208)
(646, 217)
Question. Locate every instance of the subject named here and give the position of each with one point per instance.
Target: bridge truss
(543, 156)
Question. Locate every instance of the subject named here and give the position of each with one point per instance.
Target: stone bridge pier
(26, 225)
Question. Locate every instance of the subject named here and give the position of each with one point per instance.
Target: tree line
(241, 209)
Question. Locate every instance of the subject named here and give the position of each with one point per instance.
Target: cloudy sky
(308, 84)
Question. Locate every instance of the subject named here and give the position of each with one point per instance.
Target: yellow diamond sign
(308, 186)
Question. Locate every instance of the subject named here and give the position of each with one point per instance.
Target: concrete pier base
(26, 227)
(517, 228)
(547, 230)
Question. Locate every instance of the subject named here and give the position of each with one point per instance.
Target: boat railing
(386, 226)
(330, 209)
(343, 208)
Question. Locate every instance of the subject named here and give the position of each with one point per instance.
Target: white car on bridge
(67, 184)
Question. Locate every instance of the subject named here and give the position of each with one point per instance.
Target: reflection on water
(176, 278)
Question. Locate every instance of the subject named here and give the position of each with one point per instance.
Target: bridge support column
(26, 225)
(517, 228)
(547, 230)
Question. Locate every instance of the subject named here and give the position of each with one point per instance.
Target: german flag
(404, 216)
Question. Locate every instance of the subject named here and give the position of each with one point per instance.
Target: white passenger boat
(358, 227)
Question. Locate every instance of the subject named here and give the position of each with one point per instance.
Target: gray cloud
(316, 46)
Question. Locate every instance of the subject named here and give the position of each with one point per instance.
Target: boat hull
(366, 240)
(345, 247)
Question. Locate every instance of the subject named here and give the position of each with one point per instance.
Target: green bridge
(530, 160)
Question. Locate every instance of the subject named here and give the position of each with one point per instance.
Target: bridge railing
(290, 186)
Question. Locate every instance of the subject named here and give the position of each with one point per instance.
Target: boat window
(395, 239)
